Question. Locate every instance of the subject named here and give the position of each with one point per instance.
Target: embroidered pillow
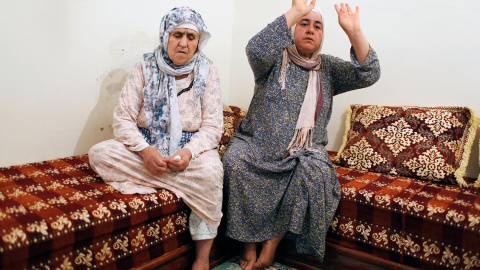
(232, 116)
(430, 143)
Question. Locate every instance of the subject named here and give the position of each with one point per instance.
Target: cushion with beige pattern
(429, 143)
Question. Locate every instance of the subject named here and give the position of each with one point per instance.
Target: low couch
(393, 214)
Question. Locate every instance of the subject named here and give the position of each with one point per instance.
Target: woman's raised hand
(350, 23)
(347, 18)
(302, 7)
(299, 9)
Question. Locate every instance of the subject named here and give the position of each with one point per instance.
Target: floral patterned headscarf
(160, 93)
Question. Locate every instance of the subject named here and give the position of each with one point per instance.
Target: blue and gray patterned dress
(267, 194)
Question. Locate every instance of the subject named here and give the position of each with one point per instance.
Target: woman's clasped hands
(156, 164)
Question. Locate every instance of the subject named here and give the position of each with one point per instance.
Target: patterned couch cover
(59, 214)
(414, 222)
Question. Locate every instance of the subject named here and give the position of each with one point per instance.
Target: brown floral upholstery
(430, 143)
(231, 118)
(59, 214)
(422, 224)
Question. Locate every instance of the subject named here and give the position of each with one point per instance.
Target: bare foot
(267, 255)
(249, 256)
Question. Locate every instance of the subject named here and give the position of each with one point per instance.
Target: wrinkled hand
(347, 18)
(154, 161)
(182, 164)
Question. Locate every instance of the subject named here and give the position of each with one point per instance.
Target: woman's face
(308, 34)
(182, 45)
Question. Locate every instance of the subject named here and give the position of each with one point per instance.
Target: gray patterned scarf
(160, 93)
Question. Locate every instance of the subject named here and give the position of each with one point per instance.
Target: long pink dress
(201, 184)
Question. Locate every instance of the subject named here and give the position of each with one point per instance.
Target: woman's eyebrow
(308, 20)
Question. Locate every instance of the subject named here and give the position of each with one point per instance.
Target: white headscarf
(160, 93)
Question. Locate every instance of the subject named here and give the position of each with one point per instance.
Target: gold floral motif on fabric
(138, 240)
(61, 223)
(381, 237)
(150, 197)
(372, 114)
(14, 236)
(361, 156)
(449, 257)
(39, 227)
(455, 147)
(105, 252)
(39, 205)
(405, 243)
(364, 231)
(169, 227)
(58, 200)
(77, 196)
(432, 209)
(430, 249)
(473, 219)
(383, 199)
(181, 220)
(55, 186)
(136, 203)
(101, 211)
(399, 136)
(94, 193)
(17, 193)
(81, 215)
(430, 165)
(53, 171)
(455, 216)
(366, 194)
(66, 265)
(84, 259)
(154, 231)
(121, 244)
(347, 228)
(439, 121)
(35, 188)
(165, 195)
(470, 262)
(16, 210)
(119, 206)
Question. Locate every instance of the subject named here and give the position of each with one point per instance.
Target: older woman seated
(278, 176)
(167, 125)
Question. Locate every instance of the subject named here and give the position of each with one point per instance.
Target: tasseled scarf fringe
(303, 138)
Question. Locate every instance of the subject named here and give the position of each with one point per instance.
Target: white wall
(63, 62)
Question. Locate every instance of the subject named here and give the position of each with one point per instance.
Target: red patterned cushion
(232, 116)
(429, 143)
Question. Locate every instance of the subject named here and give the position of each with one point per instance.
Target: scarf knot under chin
(302, 137)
